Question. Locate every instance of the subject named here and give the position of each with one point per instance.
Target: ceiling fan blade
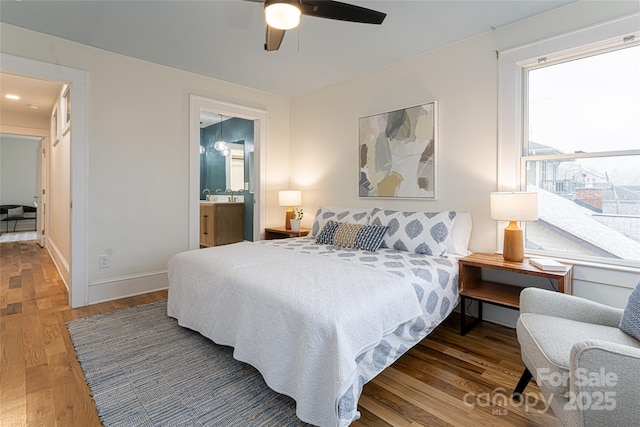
(274, 39)
(341, 11)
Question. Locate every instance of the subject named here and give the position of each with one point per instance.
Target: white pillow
(458, 242)
(16, 212)
(346, 215)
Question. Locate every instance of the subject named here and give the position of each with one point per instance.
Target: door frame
(78, 80)
(259, 118)
(42, 190)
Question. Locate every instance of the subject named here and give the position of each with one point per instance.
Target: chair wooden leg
(522, 384)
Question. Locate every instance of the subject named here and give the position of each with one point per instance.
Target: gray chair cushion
(630, 322)
(547, 355)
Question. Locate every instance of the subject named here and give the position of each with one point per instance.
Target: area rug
(18, 236)
(145, 370)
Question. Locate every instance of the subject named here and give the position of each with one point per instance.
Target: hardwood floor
(446, 380)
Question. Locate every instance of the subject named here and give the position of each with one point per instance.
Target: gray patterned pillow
(419, 232)
(630, 322)
(350, 215)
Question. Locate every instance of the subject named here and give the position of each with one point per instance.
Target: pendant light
(220, 145)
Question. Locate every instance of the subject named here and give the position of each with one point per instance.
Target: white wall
(18, 163)
(20, 121)
(462, 78)
(138, 156)
(324, 132)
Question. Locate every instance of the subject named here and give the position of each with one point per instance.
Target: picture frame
(397, 154)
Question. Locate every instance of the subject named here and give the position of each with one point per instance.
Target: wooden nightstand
(472, 286)
(282, 233)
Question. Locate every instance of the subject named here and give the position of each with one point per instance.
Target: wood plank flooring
(446, 380)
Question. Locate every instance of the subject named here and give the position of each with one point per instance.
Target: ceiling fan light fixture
(282, 15)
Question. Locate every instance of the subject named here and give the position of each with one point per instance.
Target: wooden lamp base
(513, 247)
(289, 216)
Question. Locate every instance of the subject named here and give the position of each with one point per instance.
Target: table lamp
(512, 207)
(289, 198)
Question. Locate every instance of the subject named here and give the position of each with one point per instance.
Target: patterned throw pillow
(355, 236)
(349, 215)
(325, 237)
(369, 237)
(346, 235)
(419, 232)
(630, 322)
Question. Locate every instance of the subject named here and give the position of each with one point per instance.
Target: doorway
(198, 105)
(77, 270)
(227, 153)
(19, 185)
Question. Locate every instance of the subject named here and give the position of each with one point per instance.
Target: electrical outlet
(103, 261)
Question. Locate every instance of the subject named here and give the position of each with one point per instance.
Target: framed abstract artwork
(398, 153)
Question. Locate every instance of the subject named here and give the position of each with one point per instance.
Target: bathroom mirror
(217, 170)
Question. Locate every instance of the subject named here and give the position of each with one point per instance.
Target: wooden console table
(472, 286)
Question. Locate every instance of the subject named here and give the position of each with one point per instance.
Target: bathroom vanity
(221, 223)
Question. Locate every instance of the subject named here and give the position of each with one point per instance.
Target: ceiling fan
(282, 15)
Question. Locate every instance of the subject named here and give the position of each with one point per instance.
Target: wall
(138, 156)
(462, 78)
(22, 123)
(18, 163)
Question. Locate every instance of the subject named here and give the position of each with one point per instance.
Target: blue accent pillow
(369, 237)
(325, 237)
(630, 322)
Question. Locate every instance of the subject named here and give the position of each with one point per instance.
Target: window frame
(513, 67)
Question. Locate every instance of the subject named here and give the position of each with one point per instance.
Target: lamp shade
(290, 198)
(514, 206)
(282, 15)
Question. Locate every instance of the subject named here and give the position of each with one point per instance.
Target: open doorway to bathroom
(243, 129)
(227, 172)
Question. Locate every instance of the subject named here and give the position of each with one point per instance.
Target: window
(577, 143)
(582, 154)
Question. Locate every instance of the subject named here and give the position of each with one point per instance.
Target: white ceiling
(224, 39)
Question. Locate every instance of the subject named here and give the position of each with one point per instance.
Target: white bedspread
(300, 320)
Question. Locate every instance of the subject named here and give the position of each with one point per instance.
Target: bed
(320, 316)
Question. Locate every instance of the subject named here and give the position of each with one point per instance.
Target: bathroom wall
(212, 164)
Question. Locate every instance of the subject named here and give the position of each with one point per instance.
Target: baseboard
(60, 262)
(127, 286)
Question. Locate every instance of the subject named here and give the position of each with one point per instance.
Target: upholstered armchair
(583, 355)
